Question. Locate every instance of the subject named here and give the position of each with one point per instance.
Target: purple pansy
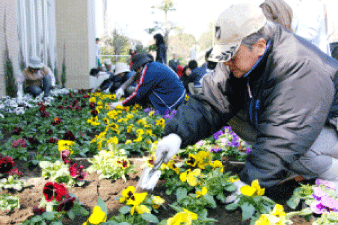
(248, 150)
(326, 183)
(146, 110)
(325, 205)
(216, 150)
(200, 143)
(318, 193)
(217, 134)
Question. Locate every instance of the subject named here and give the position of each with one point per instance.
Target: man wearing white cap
(276, 90)
(121, 75)
(35, 79)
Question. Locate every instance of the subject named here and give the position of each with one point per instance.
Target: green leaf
(56, 223)
(181, 193)
(36, 219)
(125, 209)
(48, 215)
(149, 218)
(293, 202)
(102, 205)
(231, 207)
(247, 211)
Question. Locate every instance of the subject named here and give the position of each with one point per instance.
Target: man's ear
(261, 46)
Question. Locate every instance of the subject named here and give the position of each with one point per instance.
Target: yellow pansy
(130, 128)
(203, 159)
(202, 192)
(113, 140)
(106, 106)
(100, 103)
(112, 114)
(151, 113)
(138, 139)
(94, 139)
(65, 145)
(127, 193)
(142, 121)
(171, 165)
(248, 190)
(97, 216)
(191, 160)
(185, 217)
(120, 107)
(149, 132)
(183, 176)
(112, 96)
(140, 131)
(277, 216)
(263, 220)
(94, 121)
(255, 188)
(192, 177)
(130, 116)
(218, 164)
(186, 97)
(157, 201)
(106, 120)
(259, 190)
(92, 99)
(128, 142)
(113, 126)
(148, 141)
(147, 125)
(136, 201)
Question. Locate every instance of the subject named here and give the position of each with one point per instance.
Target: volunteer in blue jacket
(154, 81)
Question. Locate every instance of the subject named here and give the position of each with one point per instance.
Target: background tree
(206, 38)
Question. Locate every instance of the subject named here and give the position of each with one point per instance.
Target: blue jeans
(46, 86)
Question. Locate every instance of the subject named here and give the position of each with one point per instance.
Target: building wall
(8, 34)
(75, 37)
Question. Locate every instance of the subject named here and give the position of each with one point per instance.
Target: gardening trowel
(150, 176)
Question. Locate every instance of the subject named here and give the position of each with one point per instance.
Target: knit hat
(139, 60)
(232, 26)
(35, 62)
(121, 68)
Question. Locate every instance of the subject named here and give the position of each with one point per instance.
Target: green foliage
(8, 202)
(11, 88)
(205, 41)
(63, 74)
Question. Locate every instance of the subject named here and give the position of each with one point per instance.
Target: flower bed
(77, 143)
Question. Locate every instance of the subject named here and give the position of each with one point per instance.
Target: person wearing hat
(108, 66)
(122, 74)
(35, 79)
(155, 82)
(276, 90)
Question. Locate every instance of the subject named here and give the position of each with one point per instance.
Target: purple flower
(146, 110)
(318, 193)
(325, 205)
(200, 143)
(234, 143)
(330, 203)
(234, 136)
(227, 128)
(216, 150)
(248, 150)
(217, 134)
(326, 183)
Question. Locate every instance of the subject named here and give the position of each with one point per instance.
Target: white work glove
(233, 198)
(119, 93)
(167, 147)
(113, 105)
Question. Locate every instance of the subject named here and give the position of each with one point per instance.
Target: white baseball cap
(232, 26)
(107, 62)
(121, 68)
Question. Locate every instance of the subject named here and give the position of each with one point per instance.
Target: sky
(134, 16)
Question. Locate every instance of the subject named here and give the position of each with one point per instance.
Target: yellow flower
(183, 176)
(94, 121)
(112, 114)
(218, 164)
(140, 131)
(192, 177)
(65, 145)
(148, 141)
(130, 128)
(171, 165)
(130, 116)
(128, 142)
(112, 96)
(149, 132)
(263, 220)
(186, 97)
(112, 126)
(127, 193)
(119, 107)
(138, 139)
(136, 201)
(92, 99)
(157, 201)
(191, 161)
(203, 159)
(277, 216)
(254, 189)
(186, 217)
(106, 106)
(113, 140)
(106, 120)
(151, 113)
(123, 163)
(100, 103)
(97, 216)
(142, 121)
(200, 193)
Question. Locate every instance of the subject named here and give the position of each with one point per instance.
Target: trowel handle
(160, 163)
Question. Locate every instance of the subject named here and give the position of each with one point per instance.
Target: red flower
(33, 140)
(94, 113)
(60, 107)
(52, 140)
(66, 204)
(76, 171)
(15, 171)
(6, 164)
(64, 155)
(21, 142)
(17, 130)
(56, 121)
(92, 105)
(54, 190)
(69, 107)
(50, 132)
(86, 96)
(69, 136)
(77, 108)
(38, 211)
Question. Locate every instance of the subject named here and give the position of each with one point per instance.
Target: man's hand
(233, 198)
(167, 147)
(119, 93)
(113, 105)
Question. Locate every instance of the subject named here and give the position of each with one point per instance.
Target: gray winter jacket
(294, 93)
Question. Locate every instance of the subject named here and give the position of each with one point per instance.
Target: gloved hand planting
(119, 93)
(167, 147)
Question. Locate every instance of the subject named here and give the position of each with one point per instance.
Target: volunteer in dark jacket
(154, 81)
(161, 49)
(276, 90)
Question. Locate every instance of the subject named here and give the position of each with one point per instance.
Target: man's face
(33, 70)
(245, 58)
